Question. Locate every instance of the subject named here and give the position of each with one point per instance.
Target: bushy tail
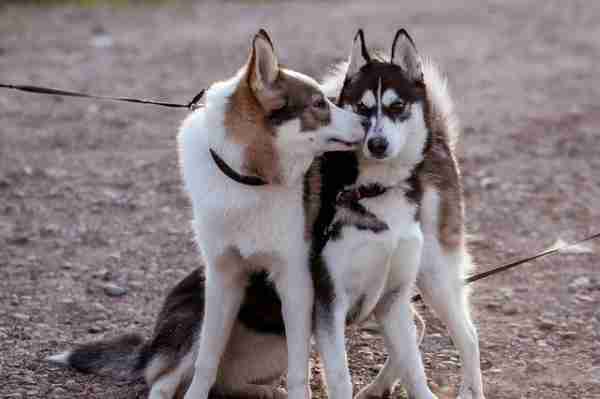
(120, 357)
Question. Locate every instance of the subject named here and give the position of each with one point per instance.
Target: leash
(257, 181)
(546, 252)
(192, 105)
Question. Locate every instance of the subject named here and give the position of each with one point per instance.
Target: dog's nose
(377, 146)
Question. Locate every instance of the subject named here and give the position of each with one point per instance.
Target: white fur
(251, 220)
(368, 99)
(389, 97)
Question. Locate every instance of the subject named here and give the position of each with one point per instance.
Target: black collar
(353, 195)
(233, 175)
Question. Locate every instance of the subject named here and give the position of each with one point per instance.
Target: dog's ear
(263, 70)
(404, 53)
(359, 55)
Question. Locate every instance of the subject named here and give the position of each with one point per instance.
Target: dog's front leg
(296, 291)
(395, 316)
(330, 323)
(224, 290)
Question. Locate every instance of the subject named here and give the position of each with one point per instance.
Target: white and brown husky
(244, 156)
(400, 221)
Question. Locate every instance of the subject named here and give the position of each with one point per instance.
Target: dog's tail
(120, 358)
(444, 116)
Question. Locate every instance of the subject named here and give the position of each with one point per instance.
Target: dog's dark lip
(346, 143)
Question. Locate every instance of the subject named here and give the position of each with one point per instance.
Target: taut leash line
(512, 264)
(57, 92)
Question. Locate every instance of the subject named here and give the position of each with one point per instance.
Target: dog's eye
(361, 108)
(320, 103)
(398, 106)
(281, 106)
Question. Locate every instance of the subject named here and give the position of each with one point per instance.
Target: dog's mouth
(348, 144)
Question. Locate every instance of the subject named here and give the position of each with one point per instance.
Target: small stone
(28, 380)
(535, 367)
(136, 284)
(568, 334)
(59, 392)
(94, 329)
(489, 182)
(112, 289)
(101, 273)
(19, 240)
(71, 385)
(98, 307)
(21, 316)
(546, 324)
(510, 310)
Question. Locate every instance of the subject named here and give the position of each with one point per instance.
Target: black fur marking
(338, 170)
(180, 319)
(334, 232)
(392, 77)
(261, 309)
(360, 35)
(415, 192)
(286, 113)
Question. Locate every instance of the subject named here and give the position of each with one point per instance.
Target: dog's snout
(377, 146)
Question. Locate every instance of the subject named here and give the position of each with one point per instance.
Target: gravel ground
(90, 193)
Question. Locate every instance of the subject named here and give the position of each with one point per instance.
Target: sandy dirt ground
(90, 191)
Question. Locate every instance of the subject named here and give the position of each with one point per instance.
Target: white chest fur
(359, 261)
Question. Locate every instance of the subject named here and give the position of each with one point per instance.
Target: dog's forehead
(379, 79)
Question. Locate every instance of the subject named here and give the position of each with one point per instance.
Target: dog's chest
(358, 256)
(263, 220)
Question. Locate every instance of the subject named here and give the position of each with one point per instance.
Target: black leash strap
(510, 265)
(46, 90)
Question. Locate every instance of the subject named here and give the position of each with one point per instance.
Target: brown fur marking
(441, 173)
(247, 125)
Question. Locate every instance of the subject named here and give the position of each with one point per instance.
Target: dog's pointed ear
(404, 53)
(359, 55)
(263, 70)
(263, 66)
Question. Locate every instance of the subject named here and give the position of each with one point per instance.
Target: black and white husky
(399, 222)
(244, 156)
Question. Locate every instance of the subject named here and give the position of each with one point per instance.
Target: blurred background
(94, 226)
